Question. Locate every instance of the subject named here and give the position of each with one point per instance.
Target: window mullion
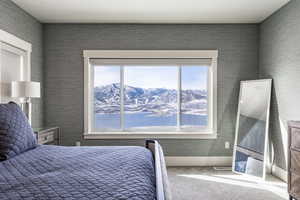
(91, 95)
(122, 97)
(209, 98)
(179, 99)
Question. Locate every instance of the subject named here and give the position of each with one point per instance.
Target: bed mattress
(56, 172)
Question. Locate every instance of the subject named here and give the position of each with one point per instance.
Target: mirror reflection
(252, 127)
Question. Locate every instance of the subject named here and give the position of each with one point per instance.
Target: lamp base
(26, 108)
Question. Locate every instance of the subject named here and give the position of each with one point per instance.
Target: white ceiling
(151, 11)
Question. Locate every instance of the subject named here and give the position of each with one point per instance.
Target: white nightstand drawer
(46, 137)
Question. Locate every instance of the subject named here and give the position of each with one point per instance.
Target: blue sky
(193, 77)
(151, 77)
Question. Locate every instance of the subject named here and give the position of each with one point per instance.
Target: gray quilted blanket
(55, 172)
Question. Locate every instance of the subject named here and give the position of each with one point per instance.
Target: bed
(57, 172)
(32, 171)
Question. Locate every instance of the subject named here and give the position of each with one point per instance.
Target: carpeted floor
(195, 183)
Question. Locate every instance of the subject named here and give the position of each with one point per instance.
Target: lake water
(132, 120)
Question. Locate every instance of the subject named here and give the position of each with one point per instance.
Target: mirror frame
(265, 156)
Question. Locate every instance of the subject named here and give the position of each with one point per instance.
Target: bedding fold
(55, 172)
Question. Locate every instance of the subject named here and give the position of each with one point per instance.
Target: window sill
(149, 135)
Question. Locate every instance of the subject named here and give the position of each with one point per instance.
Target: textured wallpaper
(63, 46)
(17, 22)
(280, 60)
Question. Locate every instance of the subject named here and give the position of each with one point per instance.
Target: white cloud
(106, 75)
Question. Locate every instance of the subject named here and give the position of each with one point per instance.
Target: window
(14, 63)
(150, 98)
(144, 96)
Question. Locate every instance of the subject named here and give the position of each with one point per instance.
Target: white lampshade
(25, 89)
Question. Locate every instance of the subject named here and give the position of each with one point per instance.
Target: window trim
(20, 47)
(149, 54)
(16, 45)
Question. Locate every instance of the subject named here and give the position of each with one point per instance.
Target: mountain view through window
(155, 98)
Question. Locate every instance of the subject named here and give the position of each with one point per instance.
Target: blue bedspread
(55, 172)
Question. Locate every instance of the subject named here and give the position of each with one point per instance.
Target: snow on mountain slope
(154, 100)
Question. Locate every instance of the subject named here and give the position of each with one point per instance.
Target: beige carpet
(193, 183)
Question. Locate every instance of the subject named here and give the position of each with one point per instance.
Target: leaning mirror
(251, 137)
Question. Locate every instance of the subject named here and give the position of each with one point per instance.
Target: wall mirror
(251, 137)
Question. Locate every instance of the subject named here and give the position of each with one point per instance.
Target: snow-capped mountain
(153, 100)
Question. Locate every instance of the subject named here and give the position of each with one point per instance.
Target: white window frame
(149, 54)
(9, 42)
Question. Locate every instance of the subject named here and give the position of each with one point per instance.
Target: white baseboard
(176, 161)
(279, 173)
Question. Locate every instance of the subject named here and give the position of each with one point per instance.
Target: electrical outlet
(77, 143)
(227, 145)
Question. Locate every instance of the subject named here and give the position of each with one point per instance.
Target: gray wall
(280, 60)
(17, 22)
(63, 46)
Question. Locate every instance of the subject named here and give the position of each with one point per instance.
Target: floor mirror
(251, 137)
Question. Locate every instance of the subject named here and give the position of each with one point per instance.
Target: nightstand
(48, 135)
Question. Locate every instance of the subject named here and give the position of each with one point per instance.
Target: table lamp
(25, 90)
